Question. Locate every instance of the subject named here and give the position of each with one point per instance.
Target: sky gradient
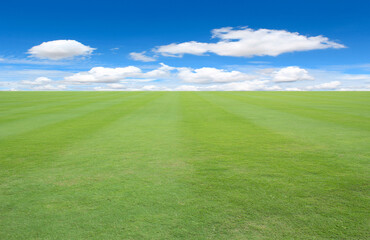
(185, 45)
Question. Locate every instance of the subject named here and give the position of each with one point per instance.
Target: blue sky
(185, 45)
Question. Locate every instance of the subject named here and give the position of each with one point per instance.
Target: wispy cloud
(140, 56)
(29, 61)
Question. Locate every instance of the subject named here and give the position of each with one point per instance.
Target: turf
(184, 165)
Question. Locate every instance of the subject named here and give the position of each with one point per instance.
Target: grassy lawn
(184, 165)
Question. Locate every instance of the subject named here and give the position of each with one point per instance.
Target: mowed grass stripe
(46, 102)
(330, 110)
(125, 173)
(282, 186)
(320, 132)
(38, 119)
(27, 151)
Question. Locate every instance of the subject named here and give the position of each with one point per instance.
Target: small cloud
(325, 86)
(187, 88)
(116, 75)
(37, 81)
(209, 75)
(291, 74)
(50, 87)
(60, 49)
(259, 62)
(116, 86)
(114, 50)
(140, 56)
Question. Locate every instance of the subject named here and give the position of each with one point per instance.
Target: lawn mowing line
(219, 168)
(31, 123)
(358, 99)
(150, 186)
(17, 112)
(306, 99)
(325, 167)
(62, 134)
(316, 132)
(136, 123)
(348, 160)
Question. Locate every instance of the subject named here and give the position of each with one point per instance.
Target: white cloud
(246, 42)
(28, 61)
(104, 75)
(50, 87)
(293, 89)
(168, 78)
(209, 75)
(42, 84)
(187, 88)
(325, 86)
(115, 75)
(364, 77)
(60, 49)
(291, 74)
(37, 81)
(116, 86)
(140, 56)
(164, 71)
(255, 85)
(363, 88)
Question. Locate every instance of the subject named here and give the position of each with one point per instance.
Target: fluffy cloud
(209, 75)
(104, 75)
(246, 42)
(291, 74)
(140, 56)
(169, 78)
(60, 49)
(205, 75)
(115, 75)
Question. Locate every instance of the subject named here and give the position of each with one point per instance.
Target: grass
(184, 165)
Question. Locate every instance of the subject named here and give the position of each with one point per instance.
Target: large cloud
(291, 74)
(246, 42)
(60, 49)
(131, 73)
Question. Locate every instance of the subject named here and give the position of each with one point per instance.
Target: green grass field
(184, 165)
